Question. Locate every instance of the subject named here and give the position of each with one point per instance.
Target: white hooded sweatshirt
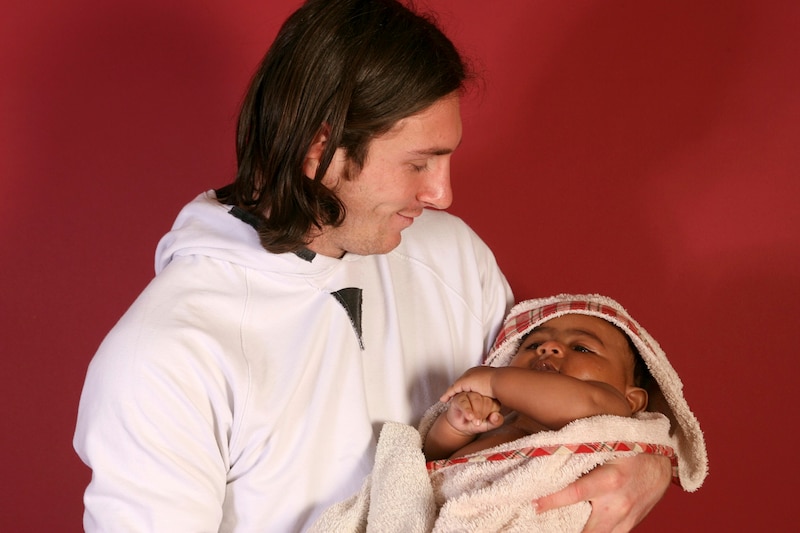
(242, 390)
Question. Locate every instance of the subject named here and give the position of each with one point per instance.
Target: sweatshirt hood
(205, 227)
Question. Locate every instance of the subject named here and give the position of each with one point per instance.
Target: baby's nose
(550, 348)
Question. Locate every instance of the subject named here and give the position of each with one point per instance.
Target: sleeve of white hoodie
(156, 416)
(156, 412)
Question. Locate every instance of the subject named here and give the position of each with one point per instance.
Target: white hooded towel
(492, 490)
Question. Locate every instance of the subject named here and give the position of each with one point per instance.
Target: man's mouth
(408, 218)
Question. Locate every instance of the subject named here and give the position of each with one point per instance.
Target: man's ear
(637, 398)
(315, 151)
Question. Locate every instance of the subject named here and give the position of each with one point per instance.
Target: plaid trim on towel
(523, 320)
(562, 449)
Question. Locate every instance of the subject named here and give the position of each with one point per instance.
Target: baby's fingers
(494, 420)
(451, 391)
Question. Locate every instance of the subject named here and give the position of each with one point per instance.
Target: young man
(287, 318)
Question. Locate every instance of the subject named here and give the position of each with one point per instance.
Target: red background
(645, 150)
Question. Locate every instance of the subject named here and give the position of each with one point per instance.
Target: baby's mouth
(545, 365)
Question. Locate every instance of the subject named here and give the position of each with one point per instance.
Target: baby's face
(581, 346)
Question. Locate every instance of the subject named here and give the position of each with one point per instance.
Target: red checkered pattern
(563, 449)
(522, 321)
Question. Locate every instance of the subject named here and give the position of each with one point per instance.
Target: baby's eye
(534, 345)
(582, 349)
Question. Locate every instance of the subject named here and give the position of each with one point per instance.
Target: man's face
(406, 170)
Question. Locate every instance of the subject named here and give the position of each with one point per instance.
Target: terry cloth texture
(491, 490)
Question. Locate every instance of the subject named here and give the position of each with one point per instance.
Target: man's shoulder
(440, 237)
(434, 224)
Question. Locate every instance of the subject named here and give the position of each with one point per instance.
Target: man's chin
(386, 247)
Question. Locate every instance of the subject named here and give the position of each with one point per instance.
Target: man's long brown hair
(355, 67)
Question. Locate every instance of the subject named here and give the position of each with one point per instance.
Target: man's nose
(436, 191)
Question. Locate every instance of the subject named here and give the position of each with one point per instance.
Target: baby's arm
(467, 415)
(550, 398)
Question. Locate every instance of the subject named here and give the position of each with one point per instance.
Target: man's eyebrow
(431, 151)
(434, 151)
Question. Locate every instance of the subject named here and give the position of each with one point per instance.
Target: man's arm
(150, 441)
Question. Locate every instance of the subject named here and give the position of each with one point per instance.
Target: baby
(569, 367)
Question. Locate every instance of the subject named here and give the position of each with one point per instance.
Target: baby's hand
(477, 379)
(471, 413)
